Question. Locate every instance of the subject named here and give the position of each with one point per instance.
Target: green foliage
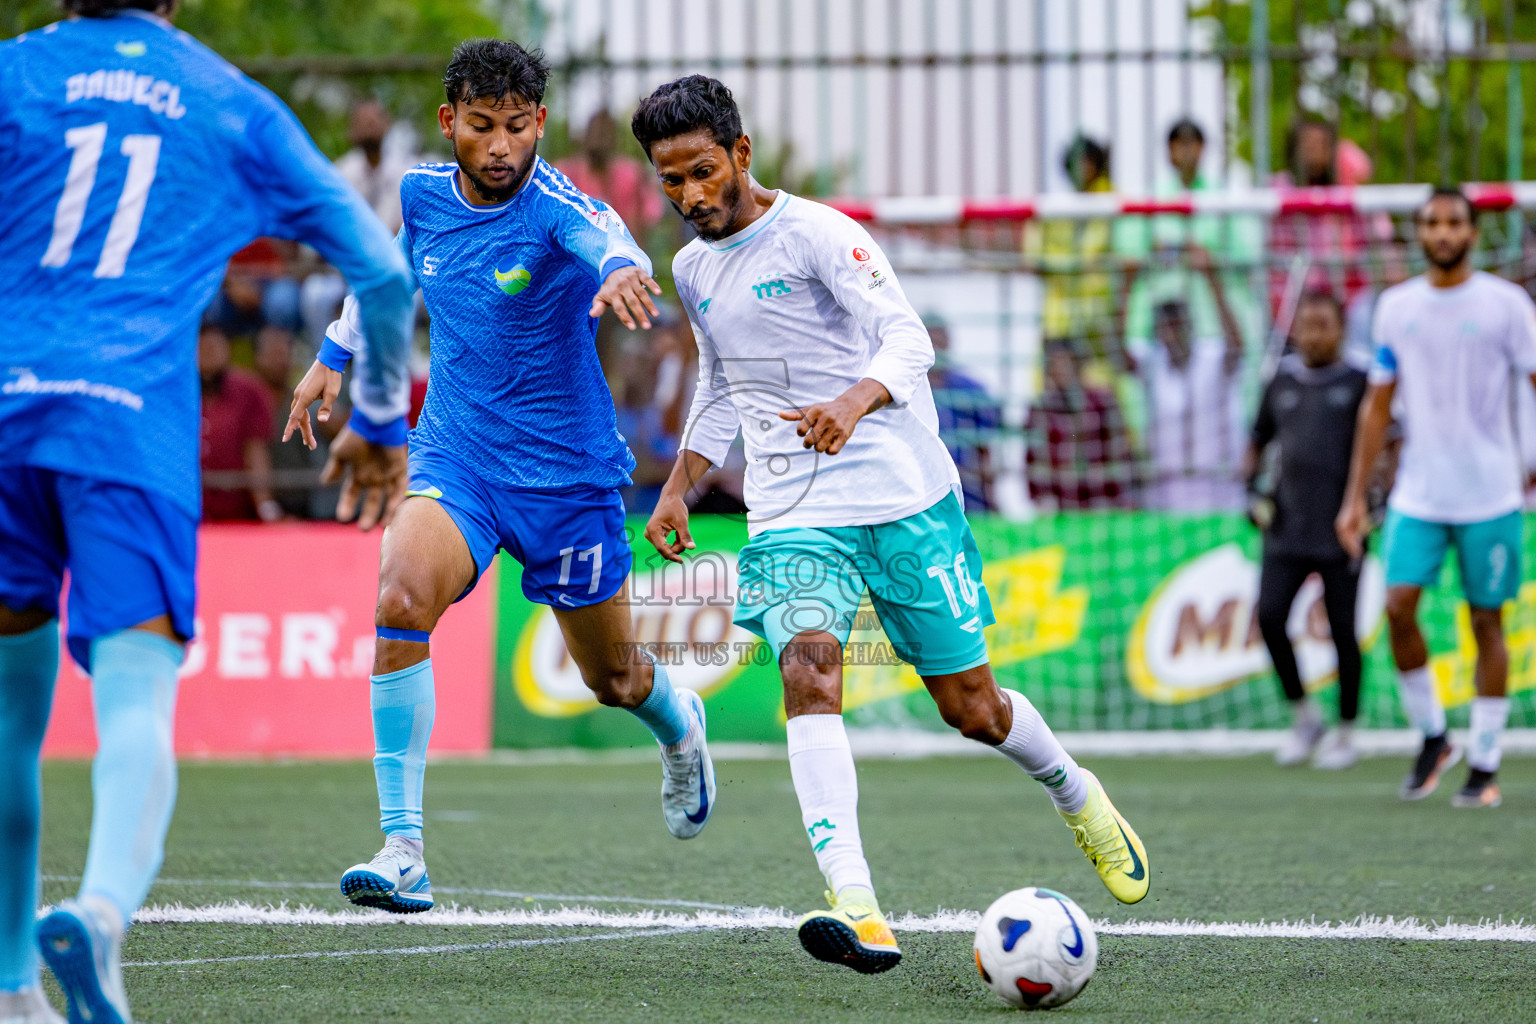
(1374, 68)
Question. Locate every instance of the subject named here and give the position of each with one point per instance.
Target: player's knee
(1272, 617)
(400, 607)
(1402, 610)
(1487, 625)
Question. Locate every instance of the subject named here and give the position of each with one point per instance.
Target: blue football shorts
(131, 554)
(571, 544)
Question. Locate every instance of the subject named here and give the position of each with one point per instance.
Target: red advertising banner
(284, 649)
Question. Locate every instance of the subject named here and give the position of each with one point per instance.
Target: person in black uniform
(1309, 410)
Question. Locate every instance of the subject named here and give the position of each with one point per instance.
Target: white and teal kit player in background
(133, 163)
(516, 449)
(809, 349)
(1451, 347)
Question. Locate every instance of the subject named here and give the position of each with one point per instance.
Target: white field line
(509, 894)
(410, 950)
(1363, 927)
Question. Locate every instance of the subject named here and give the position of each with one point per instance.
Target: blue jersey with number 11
(133, 163)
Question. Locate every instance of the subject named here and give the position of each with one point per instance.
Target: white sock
(1420, 701)
(1489, 714)
(821, 765)
(1032, 746)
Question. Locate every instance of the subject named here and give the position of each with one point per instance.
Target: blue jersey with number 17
(133, 163)
(516, 389)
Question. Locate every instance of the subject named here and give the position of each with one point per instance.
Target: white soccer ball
(1035, 948)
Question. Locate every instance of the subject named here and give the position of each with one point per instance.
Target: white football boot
(1336, 752)
(395, 880)
(27, 1006)
(688, 776)
(81, 942)
(1299, 742)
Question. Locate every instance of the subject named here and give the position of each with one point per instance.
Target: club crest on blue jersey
(514, 280)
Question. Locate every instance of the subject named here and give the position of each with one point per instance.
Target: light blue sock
(404, 704)
(29, 663)
(663, 711)
(133, 780)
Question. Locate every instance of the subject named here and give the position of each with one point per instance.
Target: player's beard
(731, 193)
(1450, 262)
(491, 193)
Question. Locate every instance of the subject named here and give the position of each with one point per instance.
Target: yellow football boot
(853, 933)
(1111, 845)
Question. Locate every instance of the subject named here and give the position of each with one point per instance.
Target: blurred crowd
(1152, 329)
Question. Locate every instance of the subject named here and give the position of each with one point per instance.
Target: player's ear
(538, 118)
(445, 120)
(743, 152)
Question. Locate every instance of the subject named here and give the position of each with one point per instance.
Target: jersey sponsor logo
(862, 255)
(429, 266)
(130, 48)
(876, 279)
(514, 280)
(704, 306)
(769, 289)
(27, 383)
(121, 86)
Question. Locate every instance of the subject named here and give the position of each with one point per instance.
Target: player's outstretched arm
(627, 291)
(671, 514)
(826, 426)
(1354, 520)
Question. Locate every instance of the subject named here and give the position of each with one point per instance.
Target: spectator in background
(1309, 410)
(968, 417)
(237, 429)
(381, 153)
(1192, 382)
(258, 292)
(1073, 259)
(1165, 259)
(1079, 453)
(622, 182)
(377, 161)
(1337, 248)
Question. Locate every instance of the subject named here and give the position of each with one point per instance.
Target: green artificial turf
(1228, 840)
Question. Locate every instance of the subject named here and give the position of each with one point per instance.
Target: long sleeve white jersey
(790, 311)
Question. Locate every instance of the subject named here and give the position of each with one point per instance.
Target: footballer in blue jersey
(516, 448)
(133, 163)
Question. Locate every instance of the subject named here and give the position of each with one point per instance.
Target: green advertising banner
(1112, 620)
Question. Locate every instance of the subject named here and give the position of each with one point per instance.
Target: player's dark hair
(1084, 148)
(1450, 192)
(495, 69)
(690, 104)
(107, 8)
(1322, 297)
(1185, 128)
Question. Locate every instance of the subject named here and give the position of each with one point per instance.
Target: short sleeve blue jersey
(516, 390)
(133, 163)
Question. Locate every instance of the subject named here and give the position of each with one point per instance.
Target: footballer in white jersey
(1452, 345)
(810, 350)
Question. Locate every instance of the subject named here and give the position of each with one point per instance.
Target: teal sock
(404, 704)
(133, 780)
(663, 711)
(29, 663)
